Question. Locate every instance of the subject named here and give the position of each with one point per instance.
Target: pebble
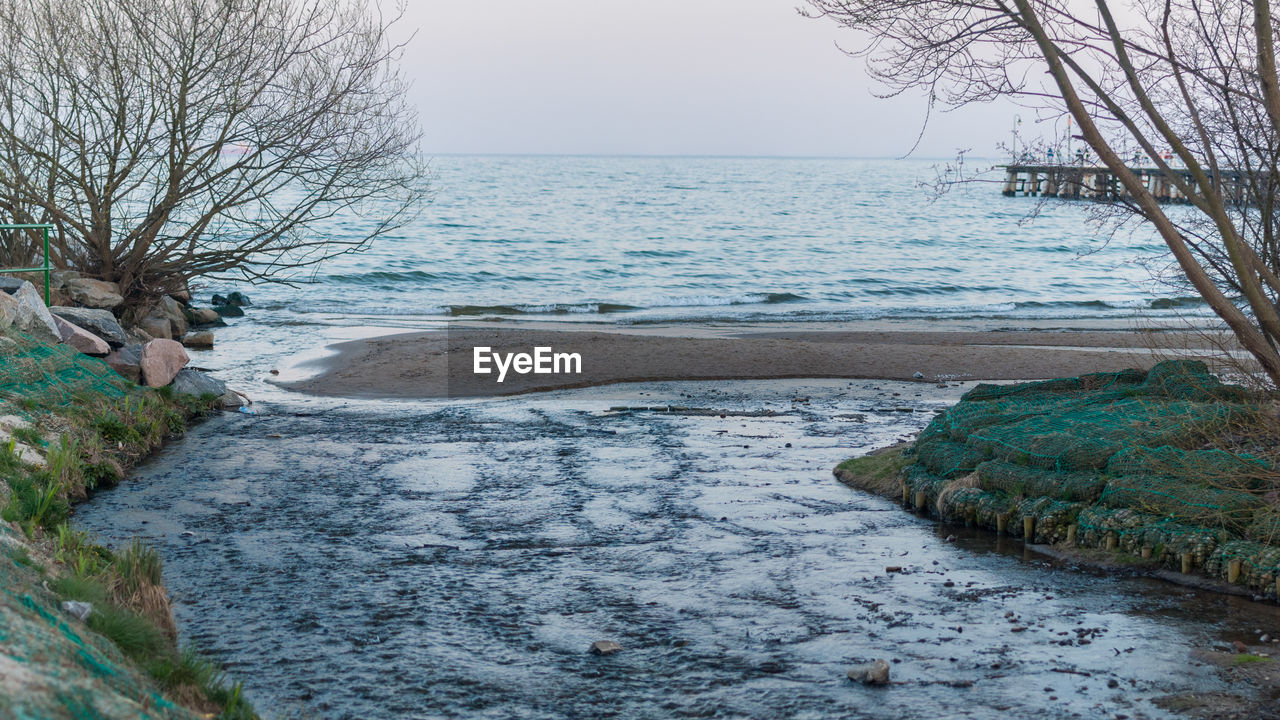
(872, 673)
(605, 647)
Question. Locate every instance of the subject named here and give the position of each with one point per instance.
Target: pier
(1096, 182)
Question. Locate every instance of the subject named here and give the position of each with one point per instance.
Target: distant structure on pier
(1095, 182)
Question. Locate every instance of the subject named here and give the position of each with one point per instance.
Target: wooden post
(906, 494)
(970, 518)
(921, 499)
(1146, 552)
(1186, 563)
(1029, 529)
(1233, 571)
(1002, 523)
(1112, 541)
(1071, 535)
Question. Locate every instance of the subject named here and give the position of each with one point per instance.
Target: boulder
(58, 279)
(168, 310)
(81, 339)
(24, 310)
(238, 299)
(231, 399)
(10, 284)
(127, 361)
(227, 311)
(161, 360)
(872, 673)
(26, 453)
(202, 339)
(93, 293)
(605, 647)
(203, 316)
(196, 383)
(99, 322)
(156, 327)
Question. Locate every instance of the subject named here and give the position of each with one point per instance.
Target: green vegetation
(97, 425)
(1247, 658)
(878, 472)
(1168, 467)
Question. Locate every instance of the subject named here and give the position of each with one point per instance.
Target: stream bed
(456, 559)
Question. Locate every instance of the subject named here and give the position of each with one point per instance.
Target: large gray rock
(10, 284)
(93, 293)
(127, 361)
(161, 361)
(24, 310)
(194, 382)
(164, 311)
(99, 322)
(81, 339)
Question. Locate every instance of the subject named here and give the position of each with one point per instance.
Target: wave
(546, 309)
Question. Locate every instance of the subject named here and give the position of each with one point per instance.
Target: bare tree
(1192, 80)
(170, 139)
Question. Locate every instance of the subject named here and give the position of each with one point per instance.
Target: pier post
(1011, 183)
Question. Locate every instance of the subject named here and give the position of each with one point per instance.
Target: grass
(878, 472)
(1248, 658)
(93, 440)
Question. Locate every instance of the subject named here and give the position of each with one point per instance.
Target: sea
(642, 240)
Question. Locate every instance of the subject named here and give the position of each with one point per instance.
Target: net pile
(52, 666)
(35, 374)
(1129, 460)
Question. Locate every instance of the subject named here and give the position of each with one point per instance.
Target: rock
(227, 311)
(10, 284)
(195, 383)
(93, 293)
(81, 339)
(231, 399)
(203, 316)
(170, 310)
(99, 322)
(156, 327)
(918, 375)
(605, 647)
(127, 361)
(202, 339)
(24, 309)
(238, 299)
(161, 360)
(76, 609)
(58, 279)
(872, 673)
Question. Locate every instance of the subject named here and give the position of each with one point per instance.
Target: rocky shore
(87, 390)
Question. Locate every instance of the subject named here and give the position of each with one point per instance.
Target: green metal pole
(46, 265)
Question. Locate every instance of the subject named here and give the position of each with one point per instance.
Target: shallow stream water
(456, 560)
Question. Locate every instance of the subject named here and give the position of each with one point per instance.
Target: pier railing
(1096, 182)
(45, 266)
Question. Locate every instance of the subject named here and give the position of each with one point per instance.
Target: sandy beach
(441, 363)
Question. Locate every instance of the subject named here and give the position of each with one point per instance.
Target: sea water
(740, 240)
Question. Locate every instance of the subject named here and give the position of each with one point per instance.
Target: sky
(662, 77)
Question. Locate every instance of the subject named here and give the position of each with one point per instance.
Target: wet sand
(441, 363)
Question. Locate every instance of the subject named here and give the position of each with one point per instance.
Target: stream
(457, 559)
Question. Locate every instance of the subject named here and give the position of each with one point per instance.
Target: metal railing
(43, 268)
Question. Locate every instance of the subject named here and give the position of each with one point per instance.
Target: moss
(878, 472)
(1247, 658)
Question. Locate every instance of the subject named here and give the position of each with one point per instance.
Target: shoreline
(438, 364)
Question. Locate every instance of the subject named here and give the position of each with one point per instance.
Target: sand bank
(441, 363)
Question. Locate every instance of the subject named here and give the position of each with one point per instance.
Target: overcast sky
(713, 77)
